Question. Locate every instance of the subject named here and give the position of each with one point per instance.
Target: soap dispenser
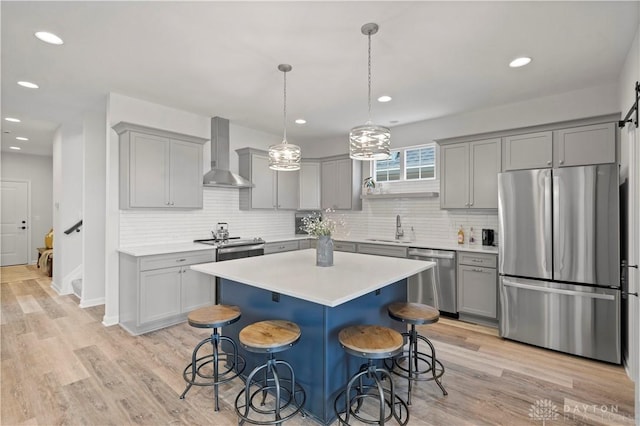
(460, 235)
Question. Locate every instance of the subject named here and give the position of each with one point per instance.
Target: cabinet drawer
(382, 250)
(176, 259)
(304, 244)
(270, 248)
(344, 246)
(477, 259)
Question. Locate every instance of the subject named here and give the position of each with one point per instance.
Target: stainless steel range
(235, 247)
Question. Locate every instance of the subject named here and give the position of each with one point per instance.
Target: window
(388, 170)
(420, 163)
(415, 163)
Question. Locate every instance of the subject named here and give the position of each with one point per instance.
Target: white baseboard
(57, 289)
(109, 321)
(67, 288)
(91, 302)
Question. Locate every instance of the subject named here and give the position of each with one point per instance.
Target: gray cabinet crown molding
(124, 126)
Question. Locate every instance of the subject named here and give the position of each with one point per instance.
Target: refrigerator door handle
(508, 283)
(558, 238)
(548, 193)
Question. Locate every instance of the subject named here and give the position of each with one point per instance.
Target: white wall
(590, 102)
(67, 199)
(94, 199)
(38, 170)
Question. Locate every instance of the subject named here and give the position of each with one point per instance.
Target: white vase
(324, 251)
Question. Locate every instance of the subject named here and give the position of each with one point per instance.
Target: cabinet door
(454, 176)
(484, 166)
(197, 290)
(263, 193)
(159, 294)
(344, 184)
(329, 184)
(528, 151)
(309, 186)
(585, 145)
(288, 189)
(477, 291)
(185, 184)
(148, 171)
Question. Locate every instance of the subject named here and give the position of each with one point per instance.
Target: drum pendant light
(284, 156)
(370, 141)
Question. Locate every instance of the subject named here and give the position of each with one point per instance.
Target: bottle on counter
(460, 235)
(472, 240)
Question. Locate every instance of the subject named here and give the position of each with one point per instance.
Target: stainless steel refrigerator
(559, 259)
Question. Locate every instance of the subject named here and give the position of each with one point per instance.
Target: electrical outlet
(275, 297)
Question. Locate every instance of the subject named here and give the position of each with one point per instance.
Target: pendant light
(284, 156)
(370, 141)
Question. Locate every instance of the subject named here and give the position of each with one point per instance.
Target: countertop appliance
(421, 288)
(487, 237)
(235, 247)
(559, 260)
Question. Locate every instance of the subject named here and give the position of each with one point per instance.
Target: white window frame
(403, 164)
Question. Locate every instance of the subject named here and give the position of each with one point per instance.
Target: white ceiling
(220, 58)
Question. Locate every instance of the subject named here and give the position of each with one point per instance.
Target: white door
(14, 248)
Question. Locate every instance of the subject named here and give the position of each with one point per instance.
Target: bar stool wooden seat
(219, 366)
(411, 363)
(371, 342)
(270, 337)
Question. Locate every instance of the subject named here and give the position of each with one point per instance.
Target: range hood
(219, 175)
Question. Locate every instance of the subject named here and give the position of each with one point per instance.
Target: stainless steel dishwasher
(420, 286)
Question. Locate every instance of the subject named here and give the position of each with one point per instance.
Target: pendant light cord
(369, 75)
(284, 124)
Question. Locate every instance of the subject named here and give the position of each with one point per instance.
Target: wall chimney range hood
(219, 175)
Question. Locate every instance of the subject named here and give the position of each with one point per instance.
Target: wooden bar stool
(224, 366)
(270, 337)
(372, 342)
(416, 314)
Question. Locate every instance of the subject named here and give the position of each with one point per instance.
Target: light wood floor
(61, 366)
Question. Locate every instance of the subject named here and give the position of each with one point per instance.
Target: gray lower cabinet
(478, 287)
(342, 246)
(160, 290)
(159, 169)
(382, 250)
(282, 246)
(304, 244)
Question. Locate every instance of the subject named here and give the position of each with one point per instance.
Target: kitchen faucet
(399, 231)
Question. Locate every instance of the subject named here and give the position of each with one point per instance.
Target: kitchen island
(322, 301)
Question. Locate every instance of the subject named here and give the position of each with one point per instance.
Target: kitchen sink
(388, 241)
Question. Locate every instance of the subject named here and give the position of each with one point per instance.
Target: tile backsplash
(421, 219)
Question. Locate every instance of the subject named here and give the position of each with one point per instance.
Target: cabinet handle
(181, 260)
(470, 204)
(172, 203)
(481, 270)
(167, 203)
(561, 161)
(549, 163)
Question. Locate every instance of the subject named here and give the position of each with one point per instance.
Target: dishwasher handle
(431, 254)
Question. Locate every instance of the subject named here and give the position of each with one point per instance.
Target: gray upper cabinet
(575, 146)
(469, 174)
(309, 198)
(585, 145)
(159, 169)
(528, 151)
(341, 181)
(272, 189)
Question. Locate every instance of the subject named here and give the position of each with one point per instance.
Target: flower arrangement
(321, 225)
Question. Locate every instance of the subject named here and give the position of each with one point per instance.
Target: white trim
(109, 321)
(92, 302)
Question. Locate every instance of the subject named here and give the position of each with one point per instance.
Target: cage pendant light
(284, 156)
(369, 141)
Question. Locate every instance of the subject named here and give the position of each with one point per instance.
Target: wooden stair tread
(416, 312)
(370, 338)
(269, 334)
(216, 314)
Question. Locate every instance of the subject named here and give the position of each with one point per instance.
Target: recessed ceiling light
(301, 121)
(519, 62)
(28, 84)
(22, 138)
(384, 98)
(49, 37)
(17, 148)
(13, 120)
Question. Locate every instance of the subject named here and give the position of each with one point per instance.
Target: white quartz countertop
(295, 274)
(150, 250)
(477, 247)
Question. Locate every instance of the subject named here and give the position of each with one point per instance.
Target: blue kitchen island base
(320, 364)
